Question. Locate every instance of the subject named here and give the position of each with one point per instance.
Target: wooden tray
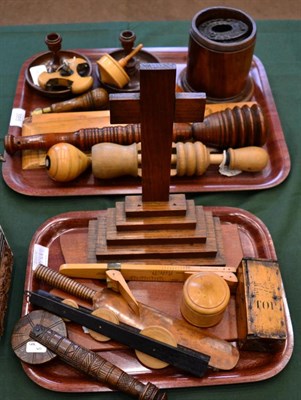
(256, 242)
(37, 183)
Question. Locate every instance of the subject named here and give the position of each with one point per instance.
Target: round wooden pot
(220, 52)
(205, 298)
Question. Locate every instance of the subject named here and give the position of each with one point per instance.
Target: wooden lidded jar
(205, 298)
(220, 53)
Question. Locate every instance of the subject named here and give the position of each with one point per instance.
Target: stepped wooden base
(177, 232)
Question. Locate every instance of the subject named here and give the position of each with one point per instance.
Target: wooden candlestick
(237, 127)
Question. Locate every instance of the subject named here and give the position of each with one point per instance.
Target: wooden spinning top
(112, 71)
(65, 162)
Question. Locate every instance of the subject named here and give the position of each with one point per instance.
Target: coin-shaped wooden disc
(108, 315)
(162, 335)
(71, 303)
(26, 348)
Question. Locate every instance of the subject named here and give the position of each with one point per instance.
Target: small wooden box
(261, 322)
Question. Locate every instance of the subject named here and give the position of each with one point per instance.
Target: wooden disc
(29, 350)
(108, 315)
(71, 303)
(162, 335)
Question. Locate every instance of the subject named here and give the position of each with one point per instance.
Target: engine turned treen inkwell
(220, 51)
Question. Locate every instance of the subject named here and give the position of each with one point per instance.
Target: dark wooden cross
(156, 108)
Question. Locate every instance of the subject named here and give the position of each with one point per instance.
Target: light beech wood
(162, 335)
(112, 71)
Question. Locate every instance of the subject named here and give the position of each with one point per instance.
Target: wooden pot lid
(29, 350)
(205, 297)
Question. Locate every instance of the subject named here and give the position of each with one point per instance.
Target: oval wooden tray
(37, 183)
(256, 242)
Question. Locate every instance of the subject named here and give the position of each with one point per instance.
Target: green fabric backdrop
(278, 47)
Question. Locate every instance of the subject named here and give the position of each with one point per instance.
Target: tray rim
(277, 139)
(228, 377)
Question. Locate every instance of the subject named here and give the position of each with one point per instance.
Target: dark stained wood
(256, 242)
(157, 112)
(36, 183)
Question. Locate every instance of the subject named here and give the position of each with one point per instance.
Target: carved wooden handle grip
(94, 365)
(239, 127)
(64, 283)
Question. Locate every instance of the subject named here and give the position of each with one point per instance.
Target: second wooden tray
(252, 366)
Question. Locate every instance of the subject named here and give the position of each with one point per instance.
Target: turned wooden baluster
(94, 365)
(65, 162)
(237, 127)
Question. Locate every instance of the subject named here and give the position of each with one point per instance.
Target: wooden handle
(64, 283)
(219, 130)
(249, 159)
(96, 99)
(94, 365)
(126, 59)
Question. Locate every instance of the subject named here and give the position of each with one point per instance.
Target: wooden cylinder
(111, 160)
(220, 52)
(205, 298)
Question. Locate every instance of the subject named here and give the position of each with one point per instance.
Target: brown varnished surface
(36, 182)
(256, 242)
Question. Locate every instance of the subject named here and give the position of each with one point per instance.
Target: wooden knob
(65, 162)
(248, 159)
